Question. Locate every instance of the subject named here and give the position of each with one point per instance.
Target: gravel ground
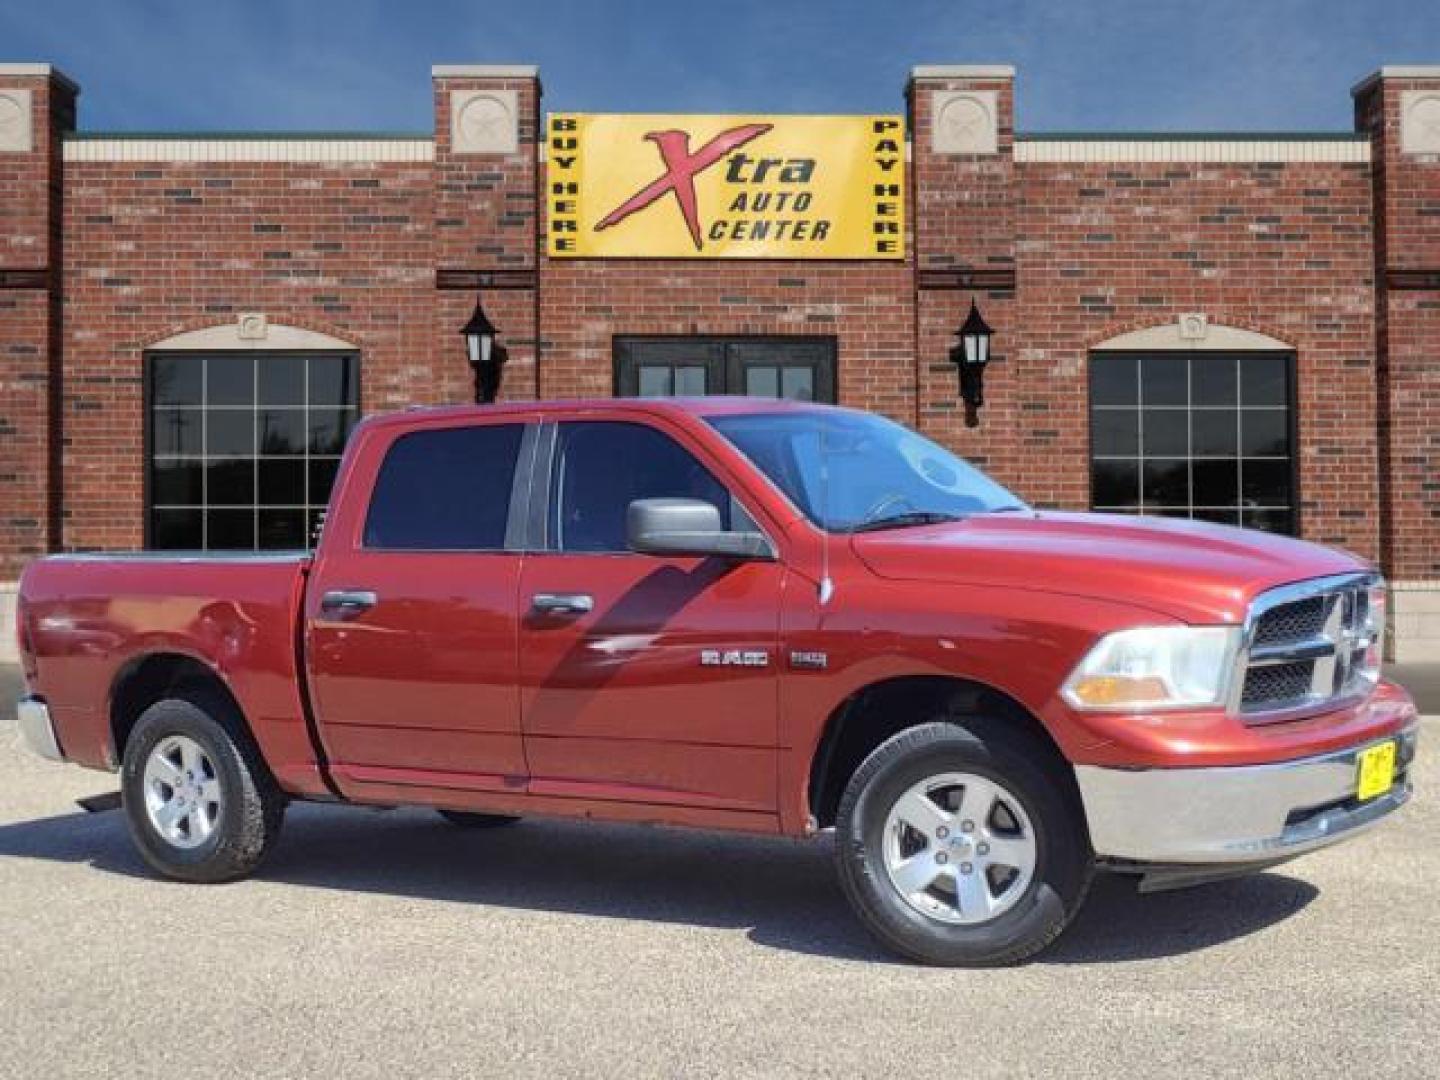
(392, 945)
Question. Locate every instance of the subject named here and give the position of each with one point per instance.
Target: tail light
(26, 641)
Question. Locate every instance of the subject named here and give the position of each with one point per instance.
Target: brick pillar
(37, 105)
(486, 207)
(963, 207)
(1400, 108)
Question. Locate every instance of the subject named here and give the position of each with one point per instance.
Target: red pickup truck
(746, 615)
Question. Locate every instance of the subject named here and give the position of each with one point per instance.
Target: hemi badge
(812, 661)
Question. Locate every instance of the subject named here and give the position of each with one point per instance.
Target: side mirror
(687, 527)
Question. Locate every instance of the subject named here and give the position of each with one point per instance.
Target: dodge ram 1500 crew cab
(747, 615)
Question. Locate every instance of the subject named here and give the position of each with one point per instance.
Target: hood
(1192, 571)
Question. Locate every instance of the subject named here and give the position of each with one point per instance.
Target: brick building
(1240, 328)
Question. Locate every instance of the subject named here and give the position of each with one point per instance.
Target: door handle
(344, 602)
(562, 603)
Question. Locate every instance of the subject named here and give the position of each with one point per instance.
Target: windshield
(881, 475)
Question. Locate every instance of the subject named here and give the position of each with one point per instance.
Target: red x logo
(681, 168)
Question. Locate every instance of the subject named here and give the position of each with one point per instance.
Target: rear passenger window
(445, 490)
(602, 467)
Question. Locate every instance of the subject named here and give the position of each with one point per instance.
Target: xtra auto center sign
(732, 187)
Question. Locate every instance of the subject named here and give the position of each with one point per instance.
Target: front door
(643, 678)
(798, 368)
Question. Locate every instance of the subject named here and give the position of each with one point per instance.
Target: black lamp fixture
(970, 356)
(486, 355)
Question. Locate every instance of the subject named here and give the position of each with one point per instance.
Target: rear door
(411, 609)
(644, 678)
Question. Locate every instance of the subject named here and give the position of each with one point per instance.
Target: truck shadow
(782, 892)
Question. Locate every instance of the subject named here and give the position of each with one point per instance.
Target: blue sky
(364, 64)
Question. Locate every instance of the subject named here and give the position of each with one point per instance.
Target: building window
(1203, 435)
(242, 448)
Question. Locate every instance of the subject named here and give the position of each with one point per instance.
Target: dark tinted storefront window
(1199, 435)
(445, 490)
(243, 449)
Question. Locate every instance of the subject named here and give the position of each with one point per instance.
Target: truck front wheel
(958, 846)
(200, 803)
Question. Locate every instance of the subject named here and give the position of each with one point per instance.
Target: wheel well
(871, 715)
(156, 677)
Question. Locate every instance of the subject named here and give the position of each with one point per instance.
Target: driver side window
(601, 467)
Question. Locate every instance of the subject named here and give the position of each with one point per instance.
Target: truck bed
(89, 618)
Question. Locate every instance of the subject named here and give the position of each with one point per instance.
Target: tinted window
(601, 468)
(233, 461)
(1201, 435)
(445, 490)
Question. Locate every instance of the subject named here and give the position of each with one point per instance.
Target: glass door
(800, 369)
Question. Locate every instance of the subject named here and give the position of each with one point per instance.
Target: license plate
(1376, 771)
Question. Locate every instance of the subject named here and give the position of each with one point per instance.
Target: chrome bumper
(36, 728)
(1236, 814)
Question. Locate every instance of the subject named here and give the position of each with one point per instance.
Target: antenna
(827, 587)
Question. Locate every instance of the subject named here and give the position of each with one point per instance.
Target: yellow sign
(728, 187)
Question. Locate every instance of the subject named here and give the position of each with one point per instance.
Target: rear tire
(468, 819)
(961, 844)
(199, 800)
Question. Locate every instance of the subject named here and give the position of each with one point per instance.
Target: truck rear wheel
(469, 819)
(957, 846)
(200, 803)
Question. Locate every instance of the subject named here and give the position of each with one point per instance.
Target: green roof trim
(1191, 136)
(250, 136)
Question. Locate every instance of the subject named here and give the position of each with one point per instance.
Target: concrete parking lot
(391, 945)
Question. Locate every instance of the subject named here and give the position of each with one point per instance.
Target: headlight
(1156, 667)
(1377, 603)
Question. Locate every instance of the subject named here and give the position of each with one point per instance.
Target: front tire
(200, 803)
(961, 844)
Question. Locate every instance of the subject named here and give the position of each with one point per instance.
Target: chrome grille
(1282, 682)
(1294, 621)
(1304, 647)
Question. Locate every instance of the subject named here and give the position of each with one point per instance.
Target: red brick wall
(867, 307)
(1283, 249)
(30, 195)
(1060, 256)
(965, 226)
(154, 249)
(1101, 249)
(486, 218)
(1407, 204)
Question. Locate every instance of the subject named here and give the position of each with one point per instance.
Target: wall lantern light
(486, 355)
(970, 356)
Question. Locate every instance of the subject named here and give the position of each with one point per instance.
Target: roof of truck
(692, 406)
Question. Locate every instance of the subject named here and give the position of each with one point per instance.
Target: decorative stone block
(1420, 122)
(484, 122)
(16, 128)
(965, 122)
(252, 326)
(1194, 326)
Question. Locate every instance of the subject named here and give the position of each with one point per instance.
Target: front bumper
(1236, 814)
(37, 729)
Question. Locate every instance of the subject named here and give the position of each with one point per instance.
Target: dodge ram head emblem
(733, 658)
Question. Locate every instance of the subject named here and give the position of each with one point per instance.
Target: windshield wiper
(900, 521)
